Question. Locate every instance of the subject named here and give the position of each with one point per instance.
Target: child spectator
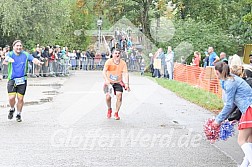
(196, 60)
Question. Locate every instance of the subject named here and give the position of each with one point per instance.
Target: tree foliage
(34, 21)
(65, 22)
(232, 16)
(201, 35)
(74, 33)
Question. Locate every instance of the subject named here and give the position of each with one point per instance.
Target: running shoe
(116, 116)
(11, 112)
(109, 113)
(18, 118)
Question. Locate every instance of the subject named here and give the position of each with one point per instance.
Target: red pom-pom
(212, 132)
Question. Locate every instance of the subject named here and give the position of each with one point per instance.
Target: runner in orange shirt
(115, 72)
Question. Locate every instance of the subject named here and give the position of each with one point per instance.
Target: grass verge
(198, 96)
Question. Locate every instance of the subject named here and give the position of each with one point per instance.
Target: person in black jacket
(248, 76)
(37, 69)
(45, 58)
(78, 64)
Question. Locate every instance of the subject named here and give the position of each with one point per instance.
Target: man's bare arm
(37, 62)
(104, 73)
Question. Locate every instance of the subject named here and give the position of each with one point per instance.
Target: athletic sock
(245, 162)
(247, 149)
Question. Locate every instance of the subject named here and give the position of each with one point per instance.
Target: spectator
(235, 60)
(151, 64)
(206, 59)
(73, 59)
(84, 60)
(248, 76)
(223, 57)
(52, 63)
(112, 44)
(213, 58)
(97, 60)
(196, 59)
(170, 62)
(240, 93)
(157, 64)
(44, 57)
(78, 55)
(161, 56)
(37, 54)
(129, 43)
(250, 59)
(64, 63)
(92, 56)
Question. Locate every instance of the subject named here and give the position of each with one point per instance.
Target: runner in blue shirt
(17, 61)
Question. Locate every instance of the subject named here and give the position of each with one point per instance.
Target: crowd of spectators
(59, 60)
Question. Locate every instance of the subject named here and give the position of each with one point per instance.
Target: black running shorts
(117, 87)
(13, 89)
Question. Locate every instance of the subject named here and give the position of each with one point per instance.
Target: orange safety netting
(204, 78)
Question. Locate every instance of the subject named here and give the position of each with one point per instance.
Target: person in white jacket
(170, 62)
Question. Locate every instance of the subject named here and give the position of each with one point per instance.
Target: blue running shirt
(19, 67)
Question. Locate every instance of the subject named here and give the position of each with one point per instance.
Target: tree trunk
(145, 19)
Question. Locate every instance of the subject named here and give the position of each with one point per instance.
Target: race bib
(113, 77)
(19, 81)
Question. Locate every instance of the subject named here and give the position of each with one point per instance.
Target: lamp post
(99, 24)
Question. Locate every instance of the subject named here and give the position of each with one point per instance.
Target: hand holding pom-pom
(226, 130)
(212, 131)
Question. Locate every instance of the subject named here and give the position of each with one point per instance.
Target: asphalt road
(64, 124)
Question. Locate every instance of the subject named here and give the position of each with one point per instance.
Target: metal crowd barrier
(63, 67)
